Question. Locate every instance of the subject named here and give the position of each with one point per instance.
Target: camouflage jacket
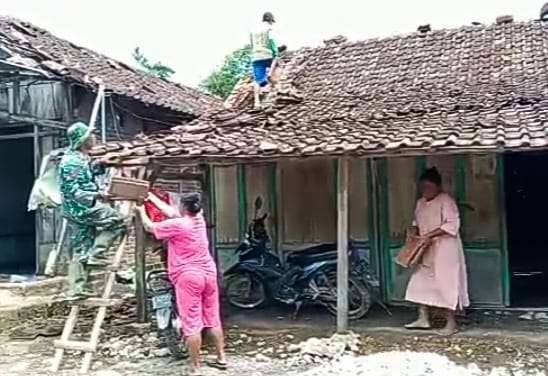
(79, 188)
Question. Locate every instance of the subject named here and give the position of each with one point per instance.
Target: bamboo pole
(96, 104)
(103, 120)
(52, 258)
(342, 248)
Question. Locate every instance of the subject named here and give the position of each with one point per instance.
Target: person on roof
(94, 224)
(264, 52)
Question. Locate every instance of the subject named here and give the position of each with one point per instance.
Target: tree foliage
(235, 66)
(156, 69)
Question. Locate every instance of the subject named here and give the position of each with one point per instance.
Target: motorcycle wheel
(245, 290)
(359, 298)
(172, 339)
(169, 337)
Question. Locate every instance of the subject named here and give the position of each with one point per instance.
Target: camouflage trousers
(91, 236)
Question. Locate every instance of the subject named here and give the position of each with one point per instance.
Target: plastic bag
(155, 214)
(46, 192)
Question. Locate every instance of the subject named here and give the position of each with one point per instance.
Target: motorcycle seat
(307, 256)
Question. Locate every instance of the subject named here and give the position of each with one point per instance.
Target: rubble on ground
(133, 347)
(397, 363)
(320, 350)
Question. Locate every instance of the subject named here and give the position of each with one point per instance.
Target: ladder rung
(113, 268)
(75, 345)
(99, 302)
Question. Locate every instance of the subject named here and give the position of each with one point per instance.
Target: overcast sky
(193, 36)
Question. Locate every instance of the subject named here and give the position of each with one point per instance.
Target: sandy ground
(268, 352)
(259, 342)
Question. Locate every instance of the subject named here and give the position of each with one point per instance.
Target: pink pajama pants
(198, 302)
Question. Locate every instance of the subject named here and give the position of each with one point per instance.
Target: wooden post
(140, 265)
(38, 213)
(342, 248)
(279, 224)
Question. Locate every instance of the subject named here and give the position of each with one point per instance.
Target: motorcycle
(309, 276)
(165, 316)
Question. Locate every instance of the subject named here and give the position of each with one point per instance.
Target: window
(446, 165)
(402, 196)
(358, 203)
(308, 201)
(257, 180)
(226, 203)
(480, 209)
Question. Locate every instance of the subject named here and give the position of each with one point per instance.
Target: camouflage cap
(77, 134)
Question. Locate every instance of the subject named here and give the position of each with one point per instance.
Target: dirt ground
(259, 341)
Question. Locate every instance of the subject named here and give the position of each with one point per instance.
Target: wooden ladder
(89, 347)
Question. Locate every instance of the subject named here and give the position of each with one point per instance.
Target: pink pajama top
(188, 246)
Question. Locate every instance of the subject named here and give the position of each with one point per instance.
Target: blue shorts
(260, 71)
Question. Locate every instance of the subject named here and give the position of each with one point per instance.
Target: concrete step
(40, 287)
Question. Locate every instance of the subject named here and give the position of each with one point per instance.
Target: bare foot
(419, 324)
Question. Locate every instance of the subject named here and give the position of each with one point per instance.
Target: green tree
(156, 69)
(235, 66)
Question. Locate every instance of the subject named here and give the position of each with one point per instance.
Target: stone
(293, 348)
(19, 367)
(107, 373)
(261, 358)
(161, 353)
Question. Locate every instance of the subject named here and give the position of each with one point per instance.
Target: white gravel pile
(407, 364)
(320, 350)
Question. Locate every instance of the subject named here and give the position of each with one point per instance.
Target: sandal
(446, 332)
(222, 366)
(195, 372)
(417, 325)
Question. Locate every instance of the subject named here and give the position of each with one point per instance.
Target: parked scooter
(310, 276)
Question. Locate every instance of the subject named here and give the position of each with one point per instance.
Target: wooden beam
(15, 97)
(6, 115)
(69, 103)
(25, 135)
(342, 248)
(242, 200)
(279, 217)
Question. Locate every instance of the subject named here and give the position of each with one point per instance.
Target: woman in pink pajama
(440, 280)
(193, 273)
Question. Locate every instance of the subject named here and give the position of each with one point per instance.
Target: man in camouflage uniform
(94, 224)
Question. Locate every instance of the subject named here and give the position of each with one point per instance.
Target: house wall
(300, 197)
(50, 100)
(474, 181)
(40, 99)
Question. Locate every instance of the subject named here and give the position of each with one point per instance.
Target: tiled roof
(35, 48)
(472, 88)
